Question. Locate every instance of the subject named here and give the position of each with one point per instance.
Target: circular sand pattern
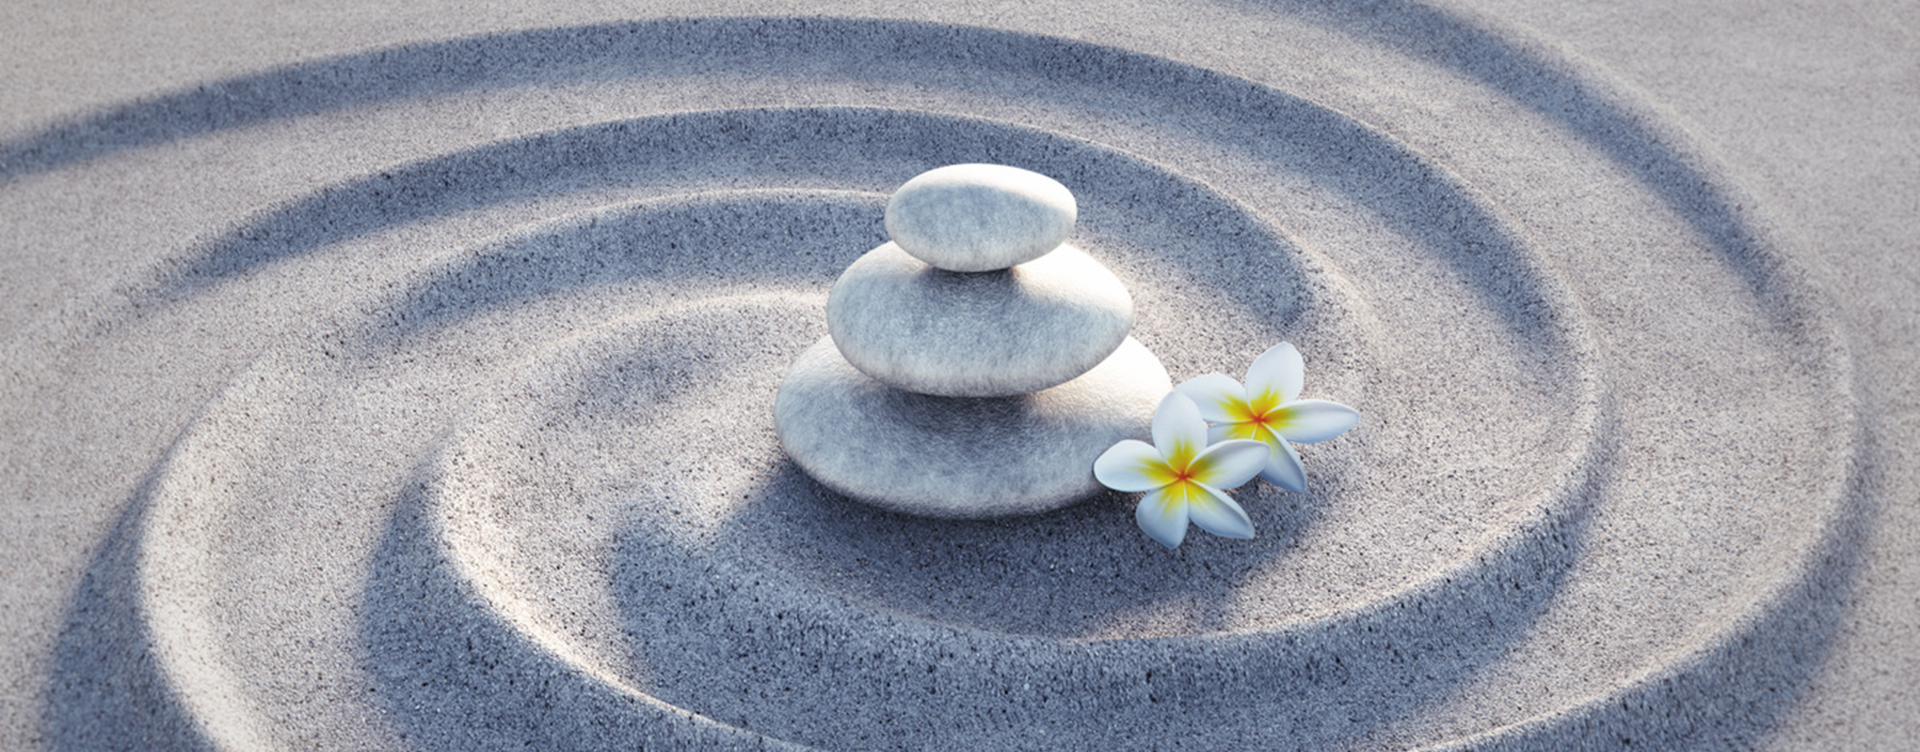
(480, 452)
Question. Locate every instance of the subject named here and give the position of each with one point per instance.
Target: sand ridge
(454, 431)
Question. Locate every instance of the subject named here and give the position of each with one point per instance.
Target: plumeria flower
(1184, 477)
(1269, 409)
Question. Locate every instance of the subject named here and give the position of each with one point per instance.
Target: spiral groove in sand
(484, 458)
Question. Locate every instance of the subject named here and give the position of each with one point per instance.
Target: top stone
(980, 217)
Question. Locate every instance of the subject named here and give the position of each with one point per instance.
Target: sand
(401, 377)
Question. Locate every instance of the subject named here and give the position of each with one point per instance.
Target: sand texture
(381, 376)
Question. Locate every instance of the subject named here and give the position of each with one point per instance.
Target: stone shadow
(811, 616)
(1084, 571)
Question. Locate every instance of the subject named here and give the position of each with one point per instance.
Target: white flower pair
(1189, 466)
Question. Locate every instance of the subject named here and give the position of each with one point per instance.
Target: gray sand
(384, 377)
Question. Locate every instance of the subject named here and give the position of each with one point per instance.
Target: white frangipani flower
(1269, 409)
(1183, 477)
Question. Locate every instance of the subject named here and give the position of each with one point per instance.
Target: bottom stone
(962, 456)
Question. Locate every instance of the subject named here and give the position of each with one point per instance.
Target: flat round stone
(962, 457)
(980, 217)
(981, 334)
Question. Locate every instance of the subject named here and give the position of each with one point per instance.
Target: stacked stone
(976, 365)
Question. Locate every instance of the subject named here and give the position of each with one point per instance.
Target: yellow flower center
(1180, 460)
(1259, 418)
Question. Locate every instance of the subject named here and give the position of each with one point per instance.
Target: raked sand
(402, 377)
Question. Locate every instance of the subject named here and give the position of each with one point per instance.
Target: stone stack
(976, 365)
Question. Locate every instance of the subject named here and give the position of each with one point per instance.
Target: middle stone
(977, 334)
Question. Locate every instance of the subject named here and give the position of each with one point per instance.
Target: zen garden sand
(428, 376)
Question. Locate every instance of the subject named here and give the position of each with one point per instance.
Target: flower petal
(1279, 370)
(1216, 513)
(1162, 515)
(1308, 421)
(1221, 399)
(1229, 463)
(1132, 466)
(1178, 431)
(1219, 432)
(1283, 467)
